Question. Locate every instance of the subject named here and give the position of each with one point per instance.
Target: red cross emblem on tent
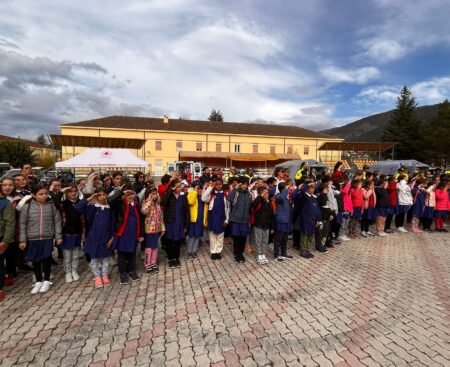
(106, 153)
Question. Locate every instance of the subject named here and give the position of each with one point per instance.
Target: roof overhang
(357, 146)
(96, 142)
(255, 157)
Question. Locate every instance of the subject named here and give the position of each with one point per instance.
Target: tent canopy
(391, 167)
(98, 157)
(294, 166)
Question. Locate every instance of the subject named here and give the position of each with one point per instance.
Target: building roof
(31, 144)
(254, 157)
(96, 142)
(357, 146)
(236, 128)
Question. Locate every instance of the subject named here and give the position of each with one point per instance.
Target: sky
(312, 63)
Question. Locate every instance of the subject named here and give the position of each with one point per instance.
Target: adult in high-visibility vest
(303, 171)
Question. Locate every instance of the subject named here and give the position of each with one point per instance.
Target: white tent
(103, 157)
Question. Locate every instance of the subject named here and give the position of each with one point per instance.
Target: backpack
(3, 204)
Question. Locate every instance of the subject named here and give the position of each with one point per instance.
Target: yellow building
(213, 143)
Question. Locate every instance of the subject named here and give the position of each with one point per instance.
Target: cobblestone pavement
(377, 302)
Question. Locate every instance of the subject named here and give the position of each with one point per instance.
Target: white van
(180, 167)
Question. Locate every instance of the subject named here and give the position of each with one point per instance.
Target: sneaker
(322, 249)
(280, 259)
(389, 231)
(382, 234)
(45, 286)
(416, 230)
(190, 257)
(36, 288)
(177, 263)
(133, 275)
(213, 257)
(155, 268)
(98, 282)
(401, 230)
(260, 259)
(69, 278)
(287, 257)
(124, 279)
(370, 233)
(9, 281)
(149, 269)
(171, 264)
(219, 256)
(241, 259)
(194, 256)
(105, 280)
(236, 259)
(364, 234)
(75, 276)
(264, 259)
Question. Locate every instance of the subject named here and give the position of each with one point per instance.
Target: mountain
(371, 128)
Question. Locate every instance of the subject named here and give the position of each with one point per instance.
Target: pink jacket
(430, 200)
(441, 199)
(345, 191)
(370, 199)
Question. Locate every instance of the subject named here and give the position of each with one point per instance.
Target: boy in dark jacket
(309, 218)
(261, 219)
(326, 216)
(283, 223)
(129, 230)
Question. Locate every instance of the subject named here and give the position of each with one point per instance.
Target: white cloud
(384, 50)
(354, 76)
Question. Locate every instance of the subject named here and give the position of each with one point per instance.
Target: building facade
(212, 143)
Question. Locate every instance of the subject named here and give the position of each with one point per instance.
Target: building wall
(161, 146)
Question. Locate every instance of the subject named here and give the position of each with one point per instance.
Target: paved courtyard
(377, 302)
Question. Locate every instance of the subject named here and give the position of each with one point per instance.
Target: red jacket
(357, 198)
(392, 188)
(441, 199)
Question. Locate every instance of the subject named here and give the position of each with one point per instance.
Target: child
(404, 202)
(217, 216)
(326, 215)
(430, 204)
(129, 230)
(310, 219)
(261, 219)
(198, 219)
(99, 234)
(154, 228)
(283, 223)
(240, 201)
(370, 201)
(72, 221)
(392, 189)
(336, 224)
(176, 220)
(419, 195)
(382, 206)
(442, 206)
(348, 208)
(40, 226)
(7, 230)
(357, 196)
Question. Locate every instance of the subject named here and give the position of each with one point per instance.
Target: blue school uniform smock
(310, 215)
(129, 239)
(175, 230)
(196, 229)
(216, 216)
(38, 250)
(70, 241)
(100, 224)
(151, 240)
(418, 207)
(283, 215)
(239, 229)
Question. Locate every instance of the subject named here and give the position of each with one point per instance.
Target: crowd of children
(107, 219)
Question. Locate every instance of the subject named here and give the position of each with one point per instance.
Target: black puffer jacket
(262, 212)
(168, 202)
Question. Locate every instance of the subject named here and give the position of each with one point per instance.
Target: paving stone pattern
(377, 302)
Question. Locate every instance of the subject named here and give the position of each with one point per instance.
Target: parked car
(12, 172)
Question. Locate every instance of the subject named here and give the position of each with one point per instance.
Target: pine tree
(436, 133)
(404, 127)
(15, 153)
(215, 115)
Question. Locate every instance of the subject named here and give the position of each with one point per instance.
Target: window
(255, 148)
(179, 144)
(272, 149)
(237, 148)
(199, 146)
(290, 149)
(158, 167)
(306, 150)
(158, 145)
(218, 147)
